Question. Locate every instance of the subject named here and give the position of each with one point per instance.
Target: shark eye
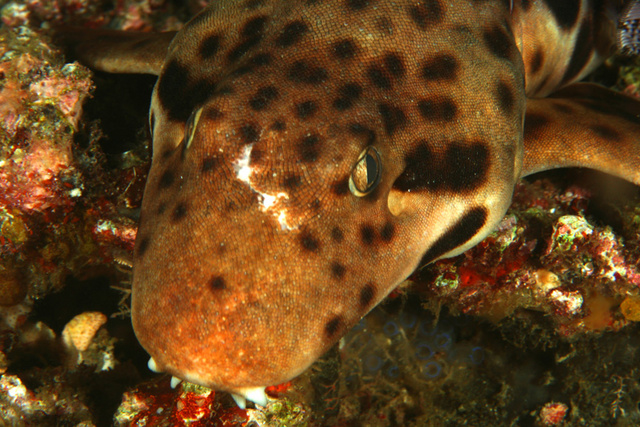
(190, 127)
(366, 174)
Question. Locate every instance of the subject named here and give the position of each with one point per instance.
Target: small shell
(80, 330)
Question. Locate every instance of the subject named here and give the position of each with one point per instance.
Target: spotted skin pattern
(254, 253)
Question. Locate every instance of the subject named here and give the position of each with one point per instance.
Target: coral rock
(80, 330)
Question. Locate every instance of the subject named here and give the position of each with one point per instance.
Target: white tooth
(240, 401)
(256, 395)
(175, 381)
(152, 365)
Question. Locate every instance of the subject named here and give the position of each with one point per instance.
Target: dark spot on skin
(226, 89)
(612, 105)
(344, 49)
(254, 27)
(333, 326)
(367, 234)
(259, 60)
(380, 75)
(302, 72)
(142, 45)
(337, 235)
(439, 108)
(440, 67)
(349, 93)
(315, 205)
(252, 33)
(309, 242)
(565, 12)
(254, 4)
(309, 148)
(338, 270)
(212, 114)
(563, 108)
(361, 130)
(162, 208)
(378, 78)
(534, 125)
(536, 61)
(292, 33)
(166, 180)
(499, 42)
(174, 78)
(249, 133)
(606, 132)
(263, 97)
(143, 246)
(581, 54)
(393, 118)
(242, 70)
(306, 109)
(387, 232)
(217, 283)
(366, 295)
(256, 155)
(384, 25)
(358, 4)
(179, 212)
(292, 182)
(505, 97)
(231, 206)
(178, 94)
(168, 153)
(394, 64)
(278, 125)
(462, 167)
(341, 187)
(209, 46)
(426, 14)
(463, 231)
(208, 164)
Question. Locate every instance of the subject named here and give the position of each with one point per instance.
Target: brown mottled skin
(255, 253)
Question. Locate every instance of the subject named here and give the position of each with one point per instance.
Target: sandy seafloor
(537, 325)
